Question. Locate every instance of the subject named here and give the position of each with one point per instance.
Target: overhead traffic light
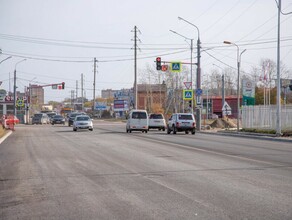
(63, 85)
(158, 63)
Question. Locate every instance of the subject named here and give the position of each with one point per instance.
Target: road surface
(51, 172)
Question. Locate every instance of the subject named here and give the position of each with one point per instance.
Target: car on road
(181, 122)
(51, 115)
(72, 117)
(137, 121)
(82, 122)
(40, 118)
(58, 119)
(156, 121)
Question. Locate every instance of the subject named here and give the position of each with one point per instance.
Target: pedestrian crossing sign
(188, 94)
(175, 67)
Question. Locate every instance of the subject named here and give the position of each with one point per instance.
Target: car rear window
(156, 116)
(58, 116)
(139, 115)
(82, 118)
(185, 117)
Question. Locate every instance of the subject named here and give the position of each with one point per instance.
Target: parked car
(156, 121)
(58, 119)
(181, 122)
(82, 122)
(137, 121)
(72, 117)
(40, 118)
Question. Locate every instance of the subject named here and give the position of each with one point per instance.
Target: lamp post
(198, 84)
(192, 102)
(14, 88)
(238, 74)
(5, 59)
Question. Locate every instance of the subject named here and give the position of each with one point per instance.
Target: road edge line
(5, 136)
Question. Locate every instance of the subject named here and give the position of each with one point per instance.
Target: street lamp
(198, 110)
(238, 73)
(192, 102)
(5, 59)
(14, 88)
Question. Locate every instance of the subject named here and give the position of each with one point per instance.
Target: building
(108, 93)
(152, 97)
(36, 97)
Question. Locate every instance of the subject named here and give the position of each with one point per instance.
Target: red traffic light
(63, 85)
(158, 59)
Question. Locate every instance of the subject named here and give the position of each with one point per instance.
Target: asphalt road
(51, 172)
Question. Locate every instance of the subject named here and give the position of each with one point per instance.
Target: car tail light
(194, 124)
(177, 124)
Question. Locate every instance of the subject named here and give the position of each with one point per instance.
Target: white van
(137, 121)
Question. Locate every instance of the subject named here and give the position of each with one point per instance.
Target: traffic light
(190, 103)
(63, 85)
(290, 86)
(158, 63)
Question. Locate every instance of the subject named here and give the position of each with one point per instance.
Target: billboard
(120, 105)
(248, 92)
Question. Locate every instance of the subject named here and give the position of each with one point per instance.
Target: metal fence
(265, 117)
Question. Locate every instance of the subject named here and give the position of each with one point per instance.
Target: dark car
(58, 119)
(72, 117)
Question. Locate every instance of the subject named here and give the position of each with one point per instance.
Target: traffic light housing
(158, 63)
(63, 85)
(190, 103)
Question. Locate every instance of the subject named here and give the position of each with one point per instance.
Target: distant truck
(46, 108)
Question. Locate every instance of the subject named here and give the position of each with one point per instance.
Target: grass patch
(285, 133)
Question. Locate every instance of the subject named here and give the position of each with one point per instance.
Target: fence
(265, 117)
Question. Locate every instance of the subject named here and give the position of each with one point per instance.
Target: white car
(137, 121)
(181, 122)
(157, 121)
(82, 122)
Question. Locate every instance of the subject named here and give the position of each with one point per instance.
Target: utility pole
(82, 91)
(94, 78)
(76, 89)
(278, 117)
(135, 67)
(198, 110)
(223, 91)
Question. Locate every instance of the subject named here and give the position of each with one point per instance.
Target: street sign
(187, 94)
(175, 66)
(164, 68)
(226, 109)
(188, 85)
(199, 92)
(20, 103)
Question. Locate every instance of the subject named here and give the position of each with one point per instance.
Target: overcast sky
(51, 32)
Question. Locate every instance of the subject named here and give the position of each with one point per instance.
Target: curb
(9, 132)
(249, 135)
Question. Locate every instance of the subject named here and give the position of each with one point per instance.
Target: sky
(59, 39)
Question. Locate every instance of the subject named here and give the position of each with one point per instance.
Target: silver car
(157, 121)
(181, 122)
(82, 122)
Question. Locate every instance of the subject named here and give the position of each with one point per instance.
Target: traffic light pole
(198, 110)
